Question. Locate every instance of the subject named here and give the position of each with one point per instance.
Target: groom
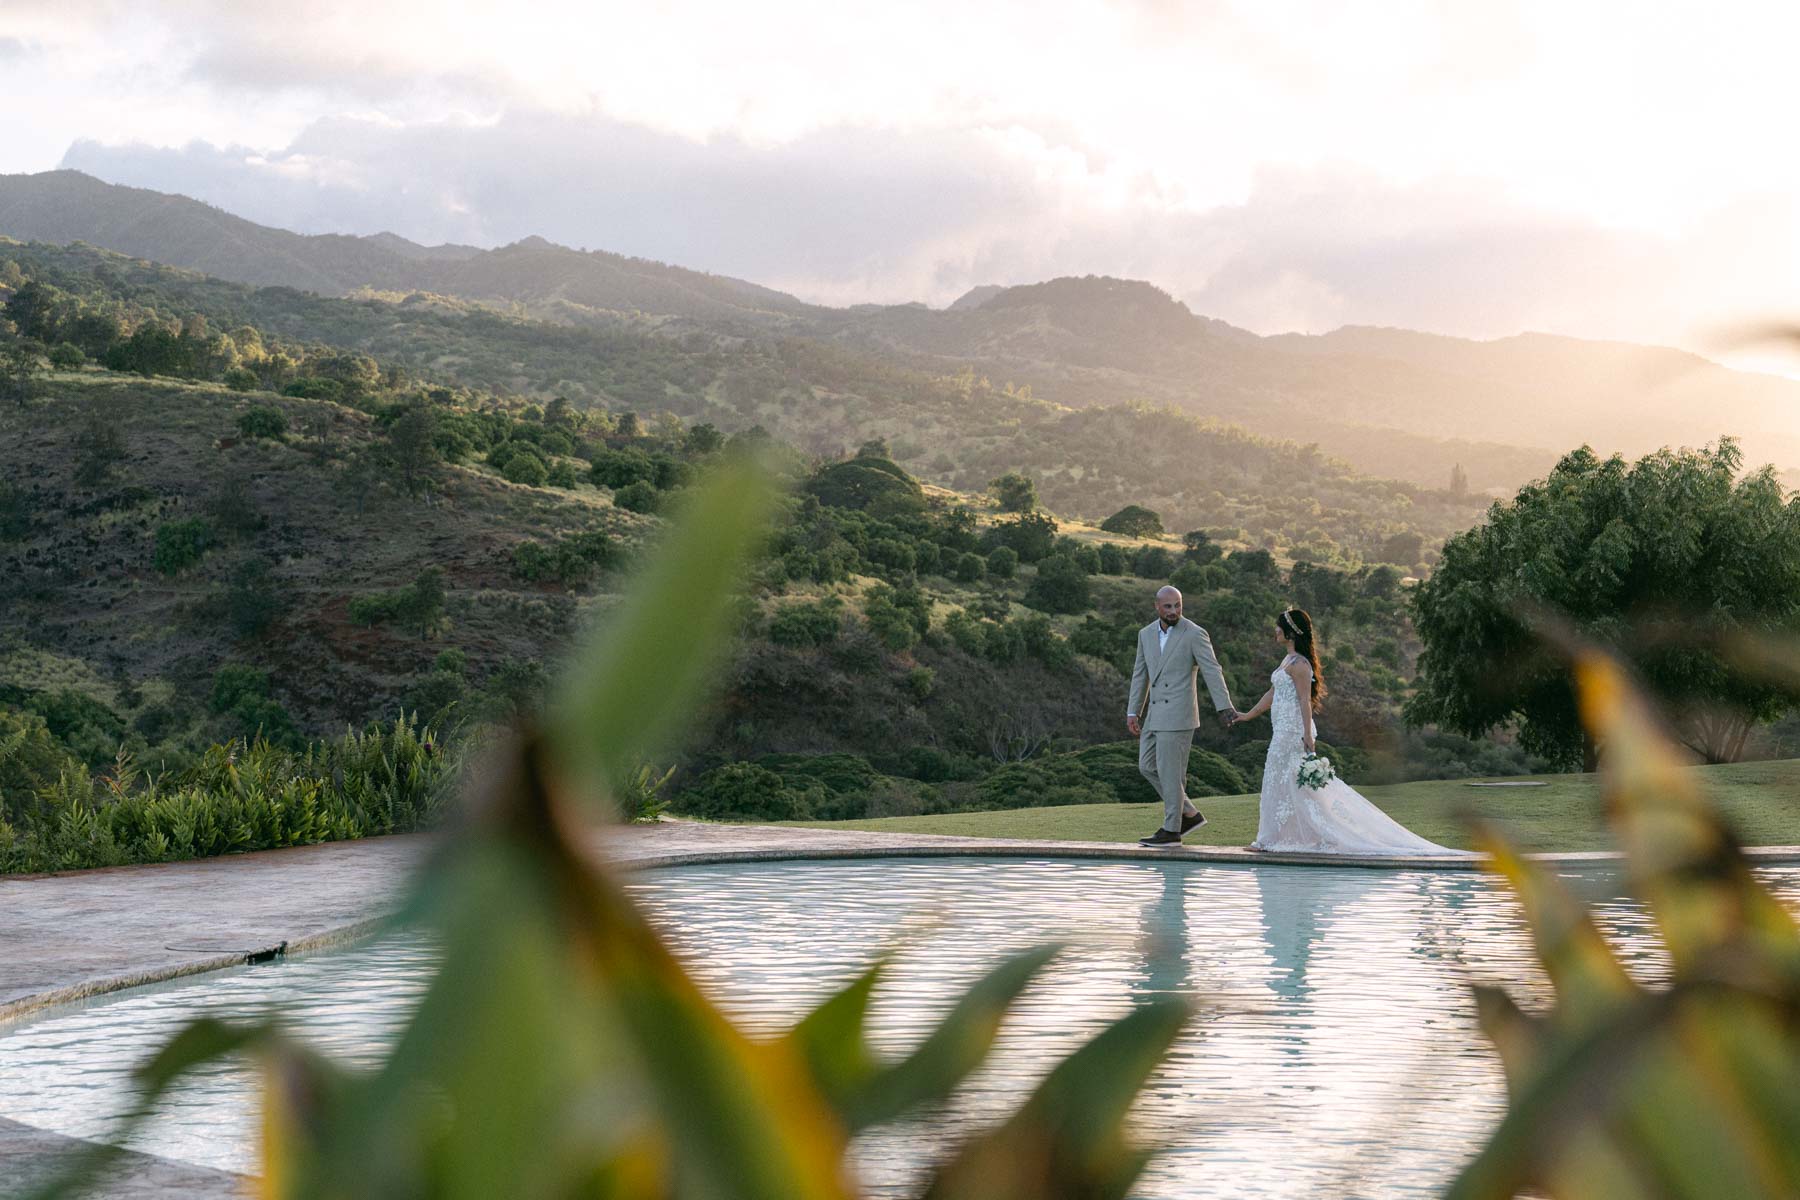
(1164, 709)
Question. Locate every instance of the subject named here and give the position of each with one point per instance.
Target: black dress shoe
(1191, 823)
(1162, 837)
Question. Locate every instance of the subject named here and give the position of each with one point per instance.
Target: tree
(1459, 481)
(33, 311)
(1134, 520)
(66, 356)
(871, 485)
(1003, 563)
(704, 439)
(638, 498)
(1031, 536)
(1061, 586)
(629, 426)
(412, 448)
(420, 606)
(1014, 492)
(98, 446)
(1672, 563)
(21, 366)
(1198, 547)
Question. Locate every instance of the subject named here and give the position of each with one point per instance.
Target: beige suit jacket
(1164, 693)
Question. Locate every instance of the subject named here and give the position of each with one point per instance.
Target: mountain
(67, 206)
(1391, 402)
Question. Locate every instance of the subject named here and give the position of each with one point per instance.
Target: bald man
(1164, 709)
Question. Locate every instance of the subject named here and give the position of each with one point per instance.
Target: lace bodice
(1285, 711)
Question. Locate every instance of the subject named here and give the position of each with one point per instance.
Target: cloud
(847, 215)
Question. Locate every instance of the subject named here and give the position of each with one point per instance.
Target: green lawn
(1762, 801)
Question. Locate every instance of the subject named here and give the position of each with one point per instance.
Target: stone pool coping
(72, 935)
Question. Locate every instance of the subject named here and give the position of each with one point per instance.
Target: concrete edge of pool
(83, 934)
(225, 912)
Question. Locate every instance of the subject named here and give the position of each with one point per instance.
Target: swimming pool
(1336, 1052)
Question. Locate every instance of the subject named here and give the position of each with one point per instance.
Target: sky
(1479, 169)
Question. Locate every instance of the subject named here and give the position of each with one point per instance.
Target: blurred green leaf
(1689, 1090)
(631, 686)
(866, 1092)
(1068, 1139)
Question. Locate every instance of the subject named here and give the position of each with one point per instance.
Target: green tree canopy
(1061, 586)
(1134, 520)
(867, 484)
(1014, 492)
(1672, 562)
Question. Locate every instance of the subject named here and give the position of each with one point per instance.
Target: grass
(1760, 800)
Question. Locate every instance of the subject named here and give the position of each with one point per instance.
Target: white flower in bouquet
(1315, 772)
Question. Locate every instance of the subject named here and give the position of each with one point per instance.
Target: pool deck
(81, 933)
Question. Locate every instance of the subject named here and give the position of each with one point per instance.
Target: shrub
(252, 599)
(181, 544)
(622, 468)
(899, 617)
(240, 379)
(238, 796)
(969, 568)
(314, 388)
(920, 681)
(1113, 560)
(743, 791)
(419, 606)
(1044, 644)
(1061, 586)
(66, 356)
(263, 422)
(241, 693)
(638, 498)
(813, 624)
(525, 468)
(1003, 562)
(561, 475)
(1152, 562)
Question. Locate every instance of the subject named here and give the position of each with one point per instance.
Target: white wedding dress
(1333, 819)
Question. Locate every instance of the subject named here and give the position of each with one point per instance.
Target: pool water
(1336, 1051)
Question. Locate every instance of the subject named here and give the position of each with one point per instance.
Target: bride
(1333, 819)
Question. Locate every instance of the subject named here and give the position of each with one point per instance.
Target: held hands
(1229, 717)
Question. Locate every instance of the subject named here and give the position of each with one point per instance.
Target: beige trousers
(1163, 760)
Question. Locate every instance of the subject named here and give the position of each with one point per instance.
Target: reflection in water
(1335, 1052)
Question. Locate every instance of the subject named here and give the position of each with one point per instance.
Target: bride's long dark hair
(1299, 626)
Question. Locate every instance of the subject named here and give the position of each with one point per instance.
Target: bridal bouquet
(1315, 772)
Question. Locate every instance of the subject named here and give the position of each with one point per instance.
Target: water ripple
(1335, 1052)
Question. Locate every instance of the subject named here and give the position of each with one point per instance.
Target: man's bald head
(1168, 604)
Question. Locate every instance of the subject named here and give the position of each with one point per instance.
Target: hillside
(67, 206)
(959, 431)
(1392, 403)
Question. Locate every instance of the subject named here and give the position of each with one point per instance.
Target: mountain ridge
(1411, 404)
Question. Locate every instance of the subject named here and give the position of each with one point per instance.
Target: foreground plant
(561, 1050)
(1691, 1089)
